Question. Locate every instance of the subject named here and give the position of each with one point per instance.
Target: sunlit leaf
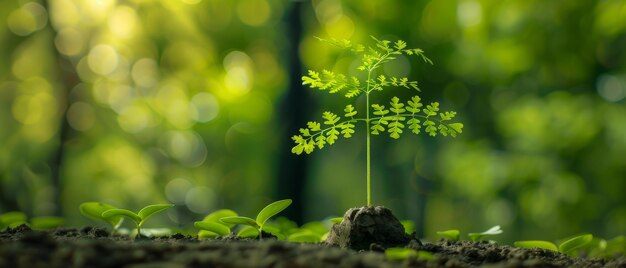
(150, 210)
(212, 226)
(122, 212)
(271, 210)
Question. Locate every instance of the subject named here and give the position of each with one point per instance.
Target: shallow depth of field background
(183, 101)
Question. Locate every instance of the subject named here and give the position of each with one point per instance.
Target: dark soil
(92, 247)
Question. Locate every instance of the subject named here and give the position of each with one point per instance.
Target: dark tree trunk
(292, 175)
(68, 79)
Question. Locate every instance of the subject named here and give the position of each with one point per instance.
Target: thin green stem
(367, 129)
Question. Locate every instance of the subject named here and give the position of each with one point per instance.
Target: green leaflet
(452, 235)
(240, 220)
(248, 232)
(536, 244)
(94, 211)
(575, 243)
(211, 226)
(406, 253)
(492, 231)
(12, 219)
(150, 210)
(122, 212)
(271, 210)
(304, 237)
(46, 222)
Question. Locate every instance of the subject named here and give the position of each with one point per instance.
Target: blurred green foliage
(177, 101)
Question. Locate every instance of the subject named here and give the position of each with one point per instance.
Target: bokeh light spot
(185, 146)
(69, 41)
(328, 11)
(81, 116)
(176, 190)
(206, 107)
(254, 12)
(200, 200)
(343, 28)
(27, 19)
(103, 59)
(145, 72)
(123, 22)
(611, 88)
(135, 118)
(469, 13)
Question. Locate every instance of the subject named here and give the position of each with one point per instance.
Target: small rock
(362, 227)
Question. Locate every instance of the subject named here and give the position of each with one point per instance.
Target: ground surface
(90, 247)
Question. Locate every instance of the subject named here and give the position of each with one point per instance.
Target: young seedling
(452, 235)
(479, 236)
(94, 210)
(265, 214)
(46, 222)
(412, 114)
(12, 219)
(16, 218)
(397, 254)
(211, 226)
(567, 247)
(138, 218)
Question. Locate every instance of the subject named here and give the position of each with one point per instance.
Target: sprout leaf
(575, 243)
(271, 210)
(536, 244)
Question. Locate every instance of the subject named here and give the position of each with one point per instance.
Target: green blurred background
(193, 102)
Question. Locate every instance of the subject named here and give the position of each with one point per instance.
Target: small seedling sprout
(397, 254)
(452, 235)
(94, 210)
(265, 214)
(138, 218)
(567, 247)
(479, 236)
(46, 222)
(211, 226)
(12, 219)
(398, 117)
